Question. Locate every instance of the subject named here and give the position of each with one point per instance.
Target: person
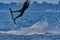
(25, 6)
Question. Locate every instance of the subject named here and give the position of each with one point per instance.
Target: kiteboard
(12, 17)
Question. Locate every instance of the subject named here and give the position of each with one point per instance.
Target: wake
(37, 28)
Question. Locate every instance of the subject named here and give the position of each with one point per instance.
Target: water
(29, 37)
(31, 23)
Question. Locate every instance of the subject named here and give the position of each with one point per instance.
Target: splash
(37, 28)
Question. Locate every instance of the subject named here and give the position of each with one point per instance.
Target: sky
(40, 1)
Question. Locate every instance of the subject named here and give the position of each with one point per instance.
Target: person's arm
(29, 1)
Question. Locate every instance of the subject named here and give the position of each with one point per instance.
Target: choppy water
(29, 37)
(31, 22)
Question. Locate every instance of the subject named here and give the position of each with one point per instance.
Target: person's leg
(18, 16)
(16, 11)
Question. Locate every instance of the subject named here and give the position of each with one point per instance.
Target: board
(12, 17)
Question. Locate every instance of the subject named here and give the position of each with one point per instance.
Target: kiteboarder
(21, 11)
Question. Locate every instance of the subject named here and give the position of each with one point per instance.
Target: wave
(37, 28)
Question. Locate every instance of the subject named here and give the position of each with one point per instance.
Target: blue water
(27, 20)
(31, 37)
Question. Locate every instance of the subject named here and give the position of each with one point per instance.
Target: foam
(37, 28)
